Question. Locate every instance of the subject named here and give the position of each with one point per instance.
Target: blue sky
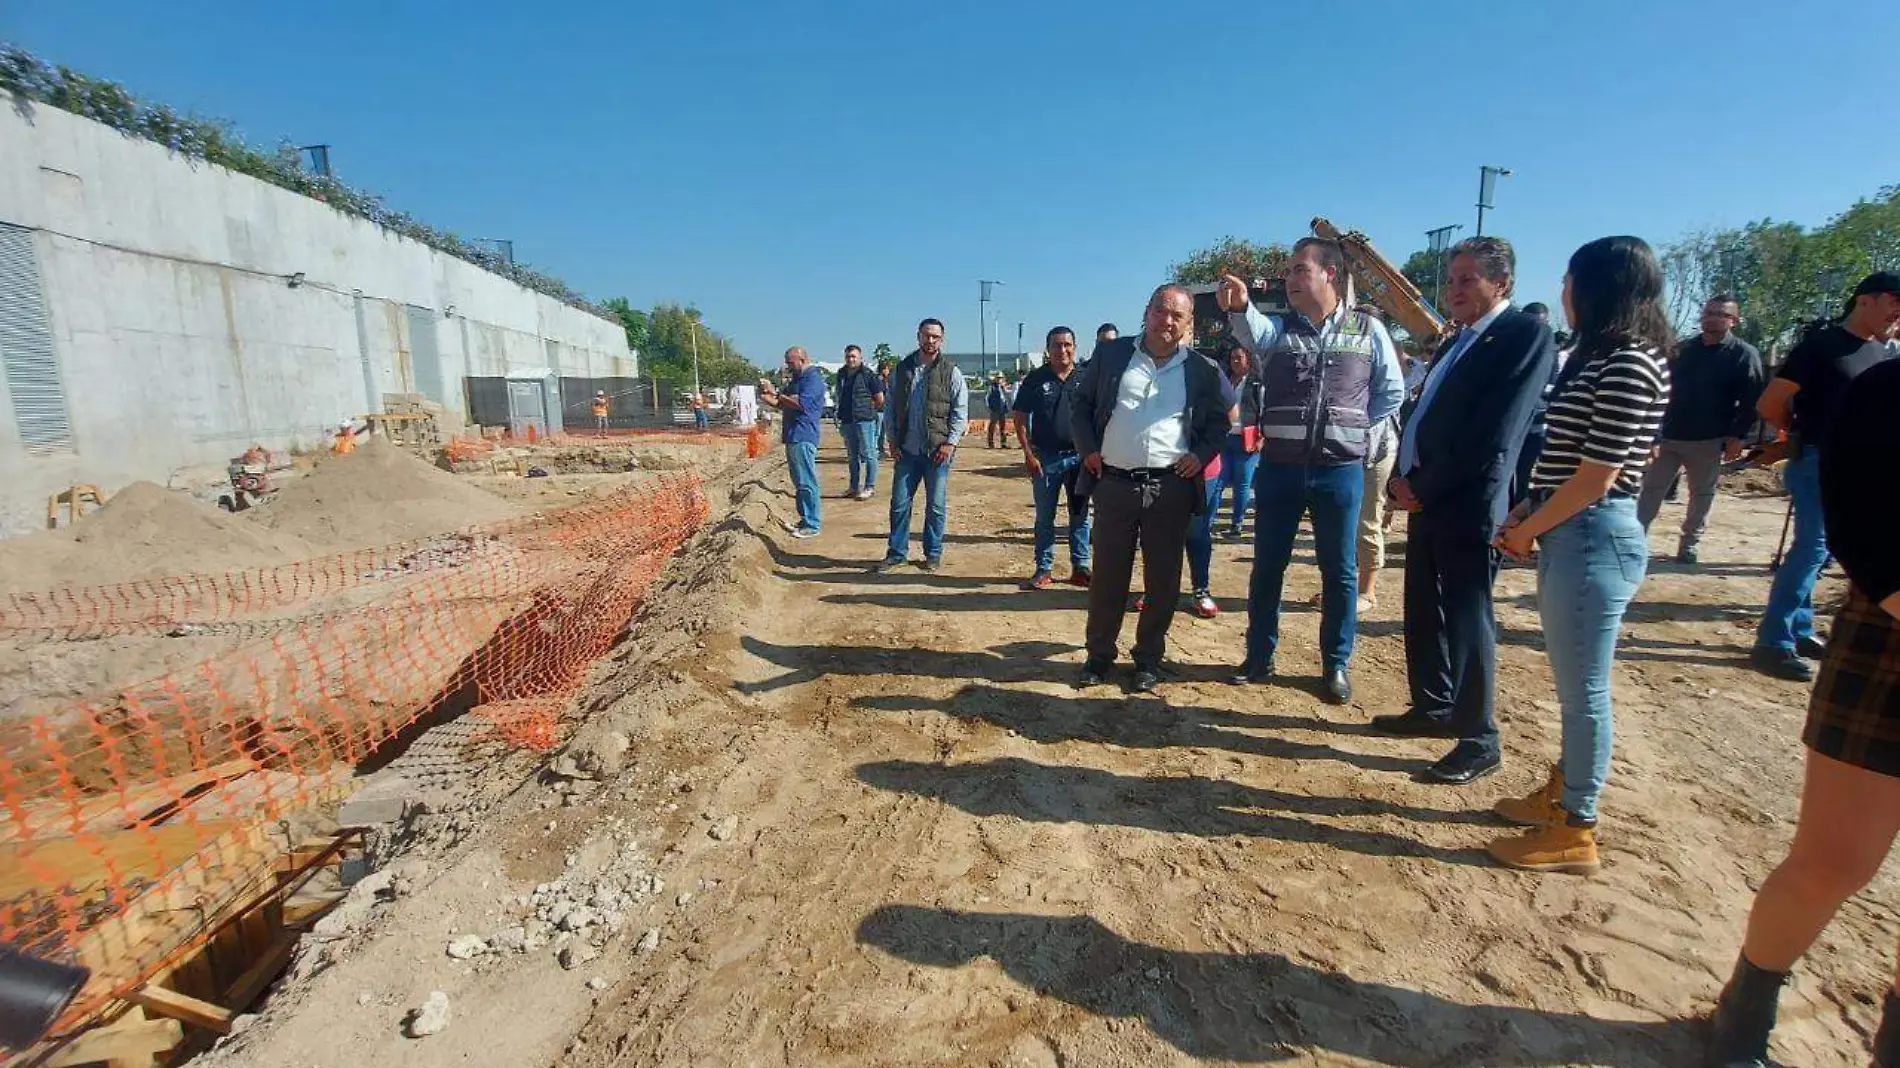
(825, 173)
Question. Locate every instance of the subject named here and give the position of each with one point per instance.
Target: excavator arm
(1378, 280)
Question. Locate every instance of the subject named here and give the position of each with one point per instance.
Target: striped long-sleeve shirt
(1608, 412)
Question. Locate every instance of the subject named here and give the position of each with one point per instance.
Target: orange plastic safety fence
(128, 818)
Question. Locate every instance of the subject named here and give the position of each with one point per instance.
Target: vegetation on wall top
(215, 141)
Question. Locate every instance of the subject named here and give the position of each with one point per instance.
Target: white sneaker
(804, 532)
(865, 495)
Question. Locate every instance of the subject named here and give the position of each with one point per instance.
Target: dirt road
(943, 854)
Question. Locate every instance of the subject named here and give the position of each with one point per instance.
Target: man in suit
(1146, 415)
(1457, 456)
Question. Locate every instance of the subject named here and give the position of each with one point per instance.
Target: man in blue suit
(1456, 460)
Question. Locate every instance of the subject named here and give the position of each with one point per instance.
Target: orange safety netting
(126, 819)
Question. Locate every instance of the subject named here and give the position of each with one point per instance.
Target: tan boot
(1557, 847)
(1541, 807)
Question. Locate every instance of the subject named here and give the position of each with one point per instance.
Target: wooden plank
(183, 1008)
(262, 974)
(129, 1043)
(138, 803)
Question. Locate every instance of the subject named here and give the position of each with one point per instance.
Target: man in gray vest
(927, 411)
(1328, 374)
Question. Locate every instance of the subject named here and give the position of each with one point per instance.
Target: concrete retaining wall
(180, 339)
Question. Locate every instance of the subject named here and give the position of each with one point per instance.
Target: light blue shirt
(1386, 389)
(1408, 441)
(914, 441)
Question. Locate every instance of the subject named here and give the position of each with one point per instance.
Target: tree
(673, 332)
(632, 320)
(1422, 270)
(1782, 274)
(881, 355)
(1248, 259)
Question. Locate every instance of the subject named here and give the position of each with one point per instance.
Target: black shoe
(1810, 648)
(1336, 687)
(1146, 679)
(1464, 764)
(1235, 534)
(1782, 664)
(1093, 674)
(1687, 557)
(1247, 674)
(932, 566)
(1414, 724)
(889, 563)
(1738, 1032)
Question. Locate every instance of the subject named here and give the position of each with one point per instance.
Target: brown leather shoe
(1557, 847)
(1540, 808)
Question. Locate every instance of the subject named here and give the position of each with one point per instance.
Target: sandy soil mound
(143, 530)
(377, 495)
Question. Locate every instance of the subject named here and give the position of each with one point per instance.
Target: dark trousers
(1526, 460)
(1154, 518)
(1451, 629)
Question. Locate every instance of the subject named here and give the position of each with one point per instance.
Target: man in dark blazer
(1456, 459)
(1147, 414)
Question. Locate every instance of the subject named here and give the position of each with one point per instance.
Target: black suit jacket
(1468, 439)
(1098, 384)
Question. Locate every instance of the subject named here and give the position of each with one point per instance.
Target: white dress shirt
(1148, 427)
(1408, 440)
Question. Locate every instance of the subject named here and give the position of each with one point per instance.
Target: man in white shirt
(1147, 415)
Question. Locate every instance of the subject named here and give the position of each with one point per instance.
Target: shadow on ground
(1263, 1007)
(1184, 804)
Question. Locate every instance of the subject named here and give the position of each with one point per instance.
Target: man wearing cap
(600, 412)
(1801, 400)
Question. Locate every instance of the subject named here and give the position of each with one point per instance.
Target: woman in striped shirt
(1581, 515)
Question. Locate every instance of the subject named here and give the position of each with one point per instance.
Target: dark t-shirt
(1858, 458)
(1044, 398)
(1822, 366)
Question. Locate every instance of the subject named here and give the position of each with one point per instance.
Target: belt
(1137, 474)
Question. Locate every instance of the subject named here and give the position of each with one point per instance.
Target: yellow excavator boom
(1378, 280)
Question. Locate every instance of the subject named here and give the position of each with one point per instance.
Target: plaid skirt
(1854, 714)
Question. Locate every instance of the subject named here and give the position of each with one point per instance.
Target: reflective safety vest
(1316, 387)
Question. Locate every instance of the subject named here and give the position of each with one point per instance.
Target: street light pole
(1440, 241)
(1487, 186)
(983, 321)
(694, 335)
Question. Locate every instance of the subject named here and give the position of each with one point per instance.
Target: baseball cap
(1879, 282)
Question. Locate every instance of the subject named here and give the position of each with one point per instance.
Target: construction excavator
(1371, 276)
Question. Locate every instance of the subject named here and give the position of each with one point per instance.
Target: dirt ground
(864, 820)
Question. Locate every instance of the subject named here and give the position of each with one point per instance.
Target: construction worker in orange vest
(344, 441)
(600, 412)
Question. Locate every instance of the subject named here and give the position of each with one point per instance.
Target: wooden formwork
(175, 965)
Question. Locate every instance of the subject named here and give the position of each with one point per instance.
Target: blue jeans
(1790, 612)
(699, 418)
(801, 457)
(860, 452)
(1588, 568)
(911, 469)
(1283, 493)
(1237, 468)
(1059, 472)
(1200, 534)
